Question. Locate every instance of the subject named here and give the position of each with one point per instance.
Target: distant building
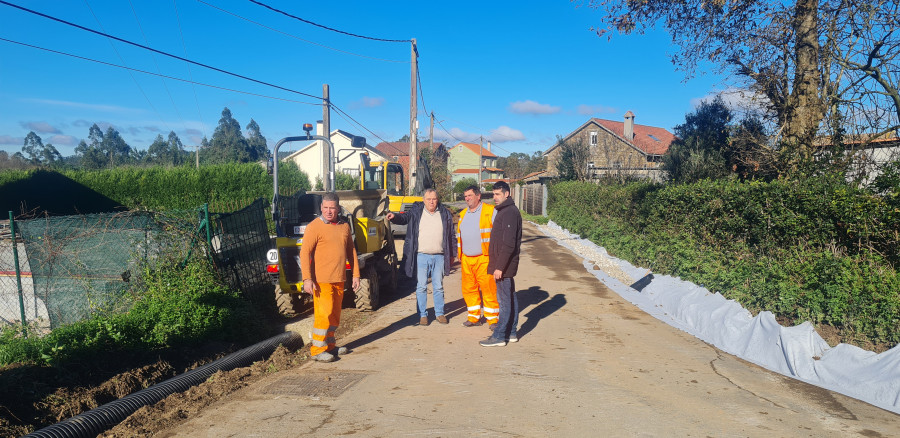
(464, 163)
(618, 148)
(398, 152)
(309, 158)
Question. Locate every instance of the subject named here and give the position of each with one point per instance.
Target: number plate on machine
(272, 256)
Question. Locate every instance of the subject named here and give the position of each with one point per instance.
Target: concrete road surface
(587, 364)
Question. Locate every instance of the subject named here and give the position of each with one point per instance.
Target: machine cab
(384, 175)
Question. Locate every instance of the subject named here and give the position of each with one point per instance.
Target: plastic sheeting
(797, 352)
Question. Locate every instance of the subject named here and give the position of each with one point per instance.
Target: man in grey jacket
(503, 262)
(428, 250)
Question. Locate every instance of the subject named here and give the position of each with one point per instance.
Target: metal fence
(58, 270)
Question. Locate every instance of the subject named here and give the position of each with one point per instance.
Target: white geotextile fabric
(797, 352)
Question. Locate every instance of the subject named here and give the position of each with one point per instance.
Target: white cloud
(10, 140)
(739, 100)
(501, 134)
(504, 134)
(40, 127)
(588, 110)
(367, 102)
(64, 140)
(532, 107)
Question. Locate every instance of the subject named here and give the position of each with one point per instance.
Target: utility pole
(431, 134)
(480, 159)
(413, 116)
(326, 152)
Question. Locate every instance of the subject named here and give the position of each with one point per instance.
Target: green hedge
(154, 188)
(815, 250)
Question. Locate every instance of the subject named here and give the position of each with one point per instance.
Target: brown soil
(34, 397)
(150, 420)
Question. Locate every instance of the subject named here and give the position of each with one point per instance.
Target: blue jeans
(509, 310)
(430, 265)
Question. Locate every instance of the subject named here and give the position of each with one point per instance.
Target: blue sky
(518, 73)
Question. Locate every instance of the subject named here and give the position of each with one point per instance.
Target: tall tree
(810, 59)
(158, 151)
(176, 149)
(700, 147)
(227, 142)
(39, 153)
(572, 161)
(256, 143)
(115, 147)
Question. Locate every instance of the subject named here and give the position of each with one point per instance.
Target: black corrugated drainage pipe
(98, 420)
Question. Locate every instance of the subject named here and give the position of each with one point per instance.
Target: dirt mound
(149, 420)
(36, 396)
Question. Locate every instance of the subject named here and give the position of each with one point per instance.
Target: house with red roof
(618, 148)
(465, 160)
(398, 152)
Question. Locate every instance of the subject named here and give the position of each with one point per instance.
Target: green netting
(80, 265)
(239, 244)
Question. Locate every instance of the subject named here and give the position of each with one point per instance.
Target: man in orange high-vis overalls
(324, 253)
(473, 235)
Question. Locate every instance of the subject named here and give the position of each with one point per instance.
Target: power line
(158, 74)
(156, 51)
(156, 64)
(326, 27)
(138, 85)
(343, 113)
(190, 72)
(298, 38)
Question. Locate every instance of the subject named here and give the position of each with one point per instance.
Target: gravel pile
(593, 253)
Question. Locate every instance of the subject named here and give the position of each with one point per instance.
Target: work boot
(468, 323)
(442, 319)
(423, 320)
(324, 357)
(340, 350)
(493, 342)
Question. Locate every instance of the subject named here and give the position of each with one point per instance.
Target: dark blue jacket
(411, 219)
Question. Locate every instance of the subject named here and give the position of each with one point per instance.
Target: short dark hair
(502, 186)
(331, 196)
(474, 189)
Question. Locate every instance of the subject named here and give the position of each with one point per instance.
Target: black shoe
(493, 342)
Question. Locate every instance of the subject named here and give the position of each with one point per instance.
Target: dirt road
(587, 364)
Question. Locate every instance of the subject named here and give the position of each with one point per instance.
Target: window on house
(590, 164)
(617, 164)
(593, 138)
(653, 137)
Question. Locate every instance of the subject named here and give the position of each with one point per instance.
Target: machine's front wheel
(366, 297)
(289, 305)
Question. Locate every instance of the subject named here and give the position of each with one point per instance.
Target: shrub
(816, 249)
(175, 307)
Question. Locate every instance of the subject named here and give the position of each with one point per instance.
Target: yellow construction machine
(388, 175)
(364, 210)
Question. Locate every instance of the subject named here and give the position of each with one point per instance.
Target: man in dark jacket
(428, 250)
(503, 262)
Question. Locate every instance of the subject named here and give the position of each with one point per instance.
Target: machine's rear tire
(289, 305)
(366, 297)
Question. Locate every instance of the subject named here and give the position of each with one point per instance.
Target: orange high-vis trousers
(327, 315)
(475, 277)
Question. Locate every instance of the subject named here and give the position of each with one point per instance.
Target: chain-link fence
(71, 267)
